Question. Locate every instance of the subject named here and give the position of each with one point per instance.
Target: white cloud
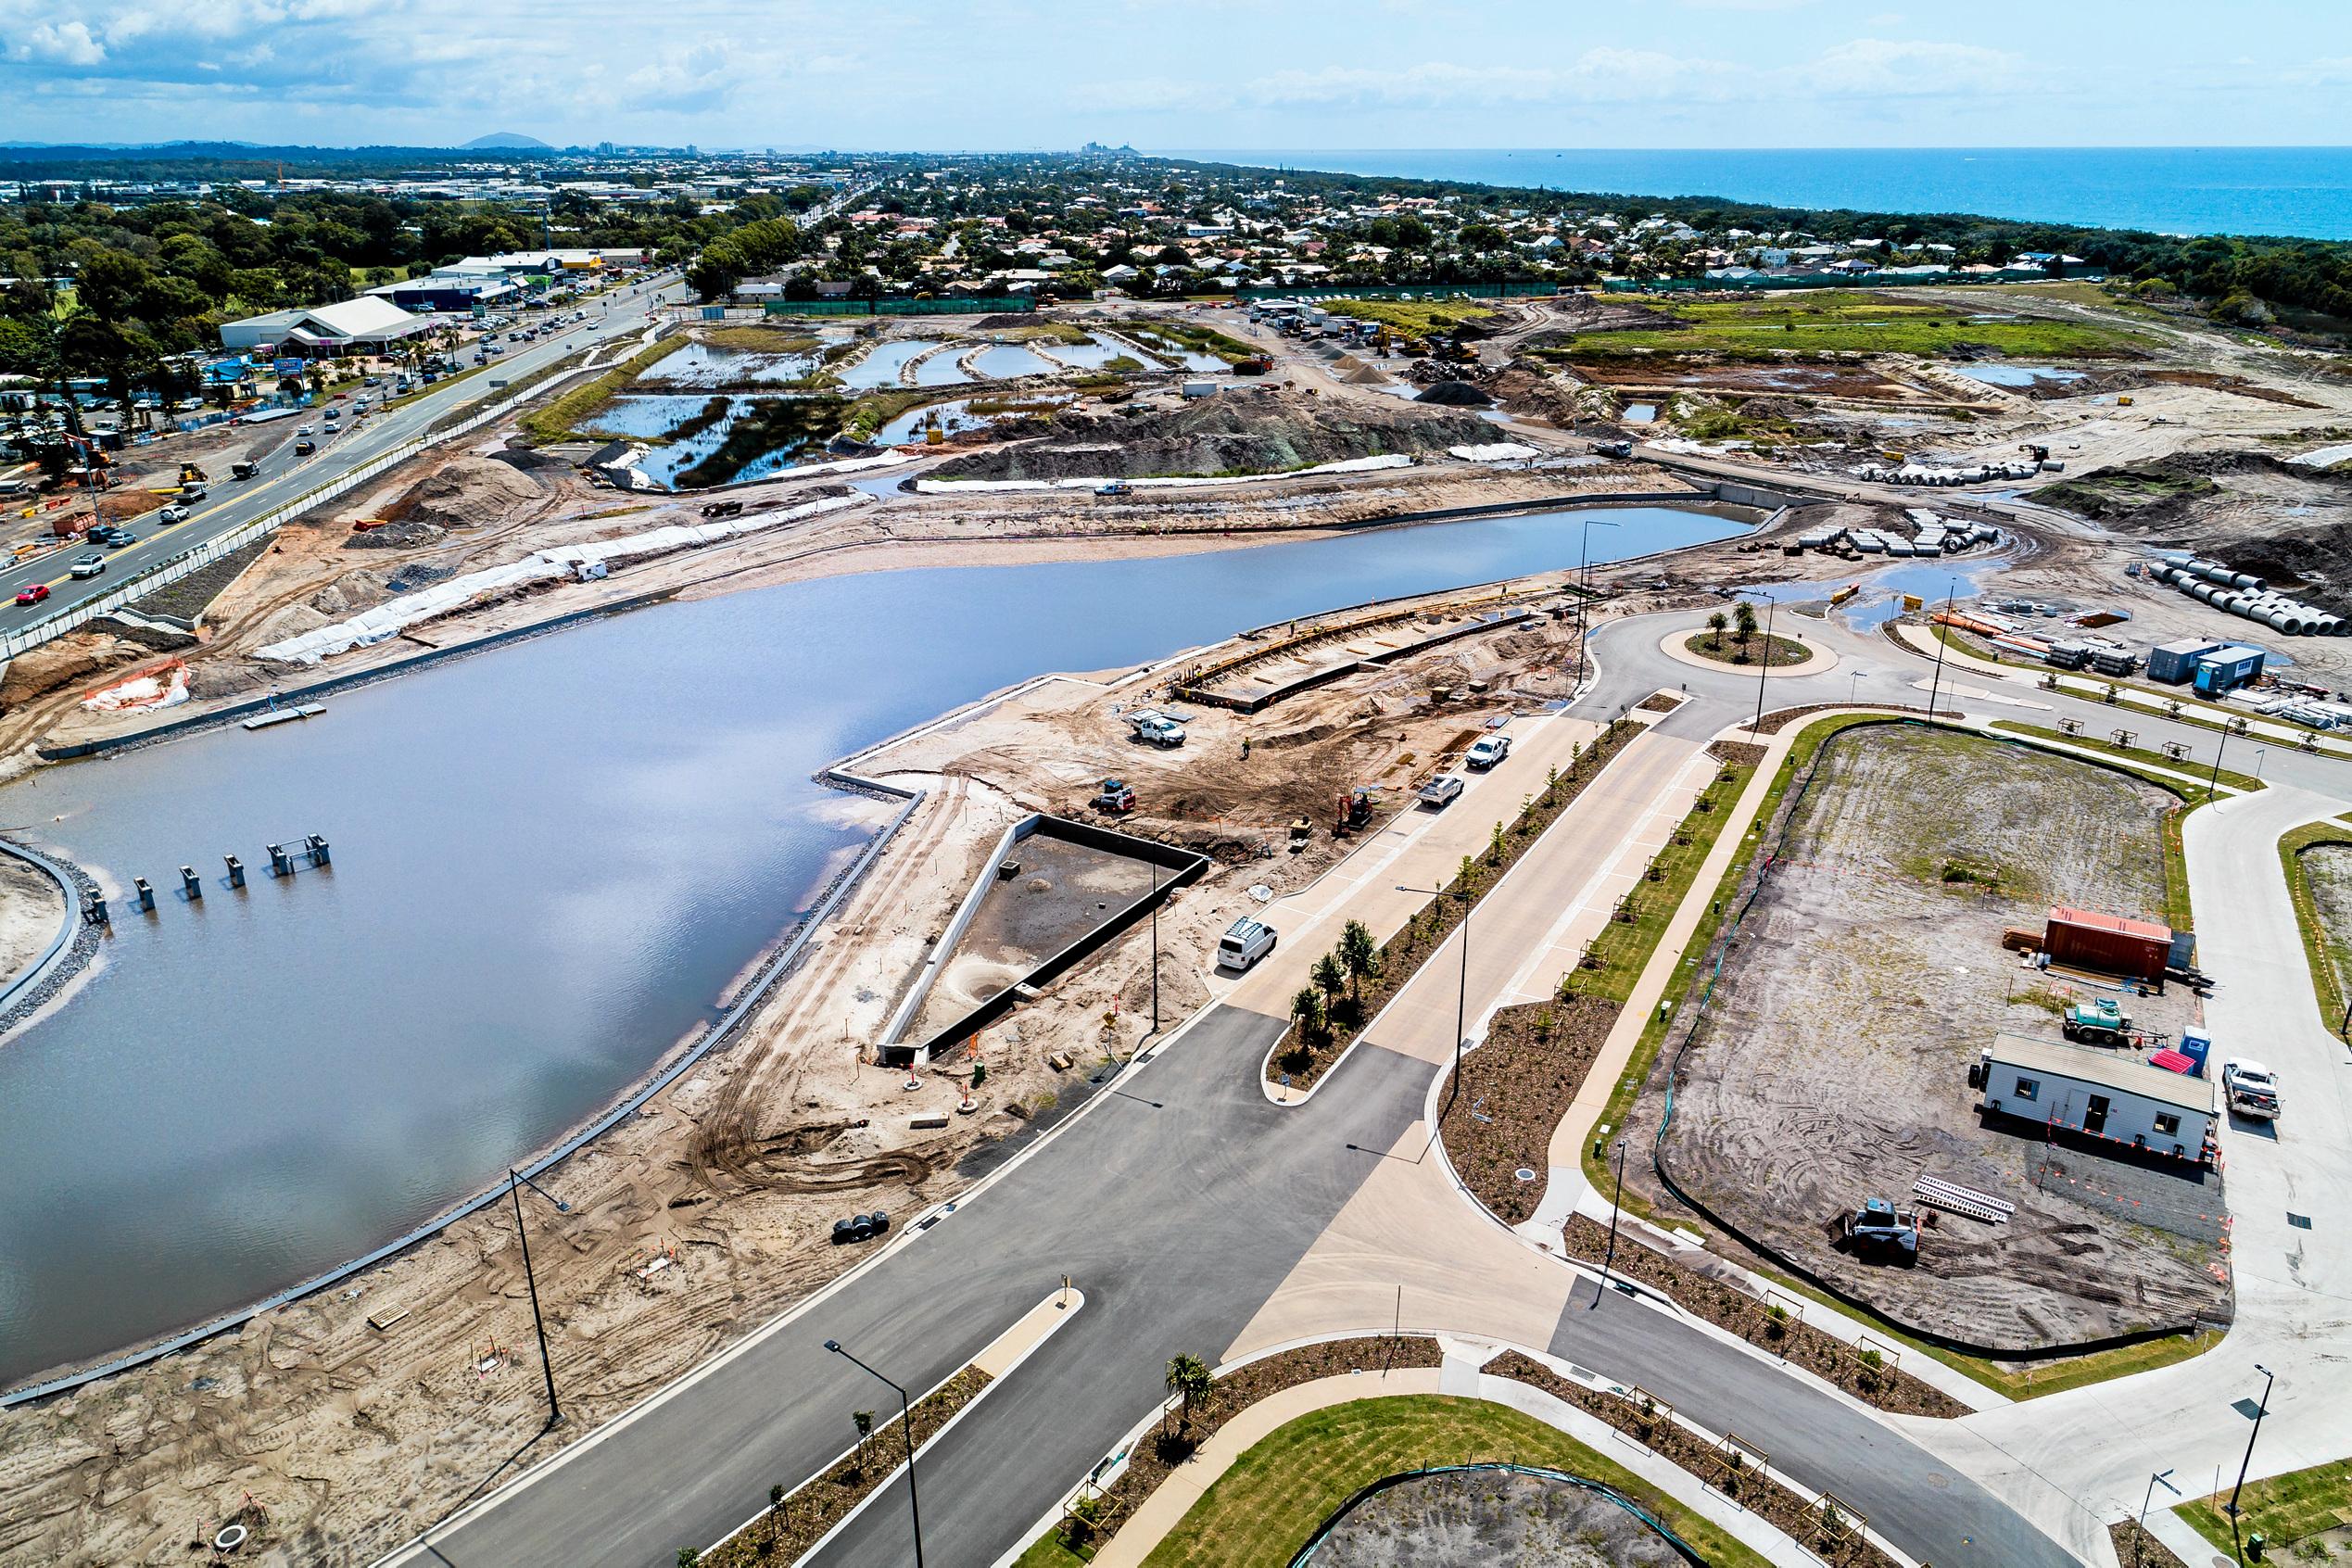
(65, 43)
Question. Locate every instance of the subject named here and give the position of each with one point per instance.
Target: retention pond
(547, 865)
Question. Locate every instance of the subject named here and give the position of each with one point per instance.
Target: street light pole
(1609, 1256)
(1584, 589)
(515, 1183)
(1155, 865)
(2259, 1411)
(1764, 665)
(2213, 783)
(1936, 686)
(906, 1430)
(1462, 994)
(2146, 1498)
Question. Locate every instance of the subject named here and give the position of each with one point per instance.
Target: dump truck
(2102, 1022)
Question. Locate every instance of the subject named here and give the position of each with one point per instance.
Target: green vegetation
(1264, 1508)
(1614, 962)
(567, 414)
(1415, 318)
(769, 425)
(754, 339)
(2284, 1510)
(2144, 758)
(2327, 953)
(1176, 336)
(1842, 322)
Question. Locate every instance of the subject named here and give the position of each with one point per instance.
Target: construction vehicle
(1114, 798)
(1878, 1227)
(1156, 730)
(1612, 449)
(191, 475)
(1355, 809)
(1112, 488)
(723, 509)
(1256, 365)
(2097, 1023)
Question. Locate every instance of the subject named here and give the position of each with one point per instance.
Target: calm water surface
(548, 862)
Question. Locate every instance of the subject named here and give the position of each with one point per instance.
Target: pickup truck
(1157, 729)
(2251, 1088)
(1442, 791)
(1486, 751)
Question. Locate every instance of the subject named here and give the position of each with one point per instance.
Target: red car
(32, 595)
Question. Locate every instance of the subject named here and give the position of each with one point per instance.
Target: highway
(283, 477)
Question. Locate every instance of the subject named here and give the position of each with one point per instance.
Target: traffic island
(1775, 655)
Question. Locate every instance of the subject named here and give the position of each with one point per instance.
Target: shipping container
(2176, 663)
(2112, 944)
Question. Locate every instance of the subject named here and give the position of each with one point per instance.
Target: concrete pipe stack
(2243, 593)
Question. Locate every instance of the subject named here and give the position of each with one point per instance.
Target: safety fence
(966, 306)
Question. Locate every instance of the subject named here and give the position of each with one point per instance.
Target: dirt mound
(467, 492)
(409, 533)
(530, 460)
(1235, 433)
(1526, 390)
(1456, 394)
(74, 658)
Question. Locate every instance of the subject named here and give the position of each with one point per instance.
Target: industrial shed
(2099, 1095)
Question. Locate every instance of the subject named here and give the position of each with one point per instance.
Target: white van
(1247, 943)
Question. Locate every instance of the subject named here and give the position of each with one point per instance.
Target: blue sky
(1200, 73)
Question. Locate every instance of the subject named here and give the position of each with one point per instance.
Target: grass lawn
(1265, 1507)
(2329, 953)
(1415, 318)
(2286, 1509)
(1845, 322)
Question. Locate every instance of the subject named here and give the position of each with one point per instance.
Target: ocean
(2304, 192)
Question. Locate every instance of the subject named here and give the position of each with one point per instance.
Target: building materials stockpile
(394, 616)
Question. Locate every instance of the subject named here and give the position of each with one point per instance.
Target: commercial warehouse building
(363, 325)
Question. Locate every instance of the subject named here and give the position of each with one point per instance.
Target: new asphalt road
(285, 477)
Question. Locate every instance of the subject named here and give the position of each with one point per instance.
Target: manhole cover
(1523, 1174)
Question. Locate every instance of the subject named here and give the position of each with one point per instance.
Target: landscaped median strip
(2319, 952)
(1298, 1063)
(797, 1521)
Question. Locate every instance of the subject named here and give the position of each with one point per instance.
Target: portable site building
(2226, 669)
(2176, 663)
(2099, 1095)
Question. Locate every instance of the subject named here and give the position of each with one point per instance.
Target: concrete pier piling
(281, 863)
(97, 908)
(236, 870)
(319, 855)
(145, 893)
(190, 883)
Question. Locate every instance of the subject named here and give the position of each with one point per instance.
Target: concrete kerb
(1281, 1097)
(67, 927)
(1681, 1484)
(1817, 660)
(1073, 1300)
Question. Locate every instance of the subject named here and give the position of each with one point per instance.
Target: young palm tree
(865, 1420)
(1359, 954)
(1188, 1378)
(1307, 1012)
(1743, 617)
(1329, 977)
(1715, 624)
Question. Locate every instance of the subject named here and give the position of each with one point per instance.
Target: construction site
(1832, 1065)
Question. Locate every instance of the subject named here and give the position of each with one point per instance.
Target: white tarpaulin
(1494, 452)
(1349, 465)
(393, 616)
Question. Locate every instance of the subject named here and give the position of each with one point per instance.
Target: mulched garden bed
(795, 1523)
(1780, 719)
(1156, 1454)
(2134, 1547)
(1660, 702)
(1771, 652)
(1728, 1305)
(1737, 753)
(1735, 1477)
(1402, 956)
(1514, 1089)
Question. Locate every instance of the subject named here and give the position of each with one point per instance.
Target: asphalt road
(1179, 1201)
(283, 477)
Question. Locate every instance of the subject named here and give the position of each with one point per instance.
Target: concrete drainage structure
(2241, 593)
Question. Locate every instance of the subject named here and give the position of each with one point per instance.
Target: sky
(1016, 74)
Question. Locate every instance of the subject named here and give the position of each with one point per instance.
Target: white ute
(1486, 751)
(2252, 1090)
(1156, 730)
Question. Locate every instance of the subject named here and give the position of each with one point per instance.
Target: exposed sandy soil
(1832, 1066)
(30, 907)
(1487, 1517)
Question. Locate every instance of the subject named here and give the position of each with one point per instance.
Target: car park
(89, 566)
(1486, 751)
(1442, 791)
(1245, 943)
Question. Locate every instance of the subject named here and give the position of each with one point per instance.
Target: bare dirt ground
(2328, 868)
(1832, 1065)
(1459, 1521)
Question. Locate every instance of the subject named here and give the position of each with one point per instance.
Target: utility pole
(1155, 865)
(515, 1183)
(906, 1430)
(1609, 1258)
(1936, 686)
(2213, 783)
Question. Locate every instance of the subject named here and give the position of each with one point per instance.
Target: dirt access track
(1831, 1065)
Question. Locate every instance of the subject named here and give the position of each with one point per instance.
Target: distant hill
(510, 139)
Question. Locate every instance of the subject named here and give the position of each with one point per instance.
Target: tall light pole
(1584, 591)
(1155, 865)
(2259, 1411)
(1609, 1256)
(1936, 686)
(1763, 666)
(906, 1430)
(2146, 1498)
(515, 1183)
(2212, 784)
(1461, 996)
